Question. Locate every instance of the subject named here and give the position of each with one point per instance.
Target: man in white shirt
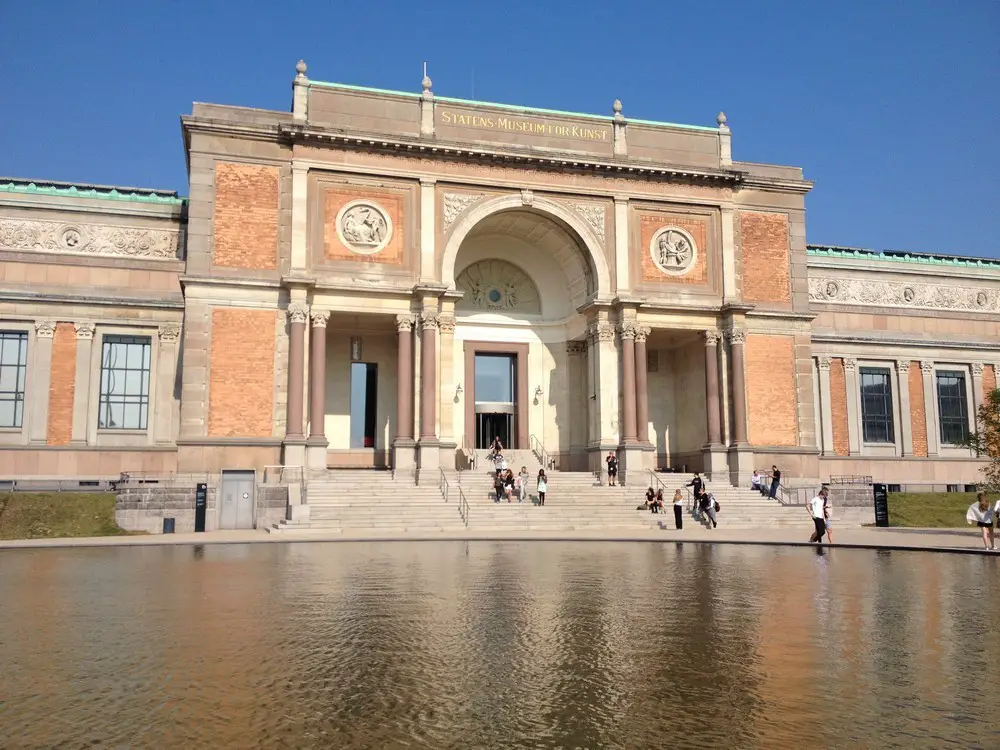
(818, 517)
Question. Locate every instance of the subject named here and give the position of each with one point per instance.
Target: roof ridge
(900, 256)
(85, 190)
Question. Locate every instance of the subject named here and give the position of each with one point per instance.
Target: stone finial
(426, 84)
(300, 69)
(721, 119)
(617, 107)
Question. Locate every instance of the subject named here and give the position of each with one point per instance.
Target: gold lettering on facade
(521, 125)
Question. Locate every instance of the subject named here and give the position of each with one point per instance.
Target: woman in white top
(981, 514)
(543, 485)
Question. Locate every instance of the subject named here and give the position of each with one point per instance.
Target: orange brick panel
(245, 225)
(765, 255)
(771, 393)
(917, 415)
(650, 223)
(989, 379)
(241, 387)
(335, 199)
(62, 385)
(838, 408)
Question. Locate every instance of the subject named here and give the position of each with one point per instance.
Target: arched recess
(589, 243)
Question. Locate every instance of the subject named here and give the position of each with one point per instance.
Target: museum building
(390, 280)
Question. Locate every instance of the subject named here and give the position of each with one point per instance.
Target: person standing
(981, 514)
(696, 486)
(543, 485)
(678, 509)
(828, 515)
(775, 482)
(523, 486)
(816, 510)
(612, 462)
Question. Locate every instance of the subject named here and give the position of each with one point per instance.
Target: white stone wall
(379, 349)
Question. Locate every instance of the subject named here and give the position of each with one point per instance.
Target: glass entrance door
(495, 379)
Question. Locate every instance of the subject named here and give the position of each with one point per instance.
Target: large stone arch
(588, 241)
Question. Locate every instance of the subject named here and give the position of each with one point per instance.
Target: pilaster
(164, 425)
(42, 368)
(427, 259)
(622, 275)
(930, 407)
(300, 222)
(602, 358)
(826, 410)
(446, 376)
(977, 387)
(429, 446)
(729, 288)
(317, 443)
(403, 446)
(905, 416)
(853, 415)
(81, 392)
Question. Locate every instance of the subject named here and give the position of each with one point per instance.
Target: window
(876, 406)
(124, 401)
(895, 488)
(13, 363)
(953, 410)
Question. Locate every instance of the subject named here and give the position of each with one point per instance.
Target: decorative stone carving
(85, 330)
(824, 363)
(736, 336)
(641, 332)
(447, 325)
(527, 197)
(169, 332)
(627, 330)
(850, 364)
(429, 320)
(597, 332)
(593, 215)
(903, 366)
(45, 329)
(405, 322)
(89, 239)
(673, 250)
(711, 337)
(576, 347)
(364, 227)
(977, 369)
(498, 286)
(926, 367)
(455, 204)
(298, 312)
(880, 293)
(320, 318)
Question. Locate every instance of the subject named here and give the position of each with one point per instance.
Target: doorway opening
(364, 404)
(496, 406)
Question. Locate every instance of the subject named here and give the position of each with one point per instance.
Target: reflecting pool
(498, 645)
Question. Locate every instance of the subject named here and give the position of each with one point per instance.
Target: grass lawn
(943, 510)
(40, 515)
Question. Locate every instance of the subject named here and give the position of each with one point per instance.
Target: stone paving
(940, 540)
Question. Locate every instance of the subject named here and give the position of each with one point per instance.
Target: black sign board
(200, 506)
(881, 493)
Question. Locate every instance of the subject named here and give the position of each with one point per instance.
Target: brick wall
(650, 223)
(334, 199)
(989, 379)
(918, 423)
(771, 393)
(245, 223)
(241, 367)
(62, 388)
(838, 408)
(765, 259)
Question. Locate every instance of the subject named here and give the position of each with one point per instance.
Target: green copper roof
(513, 107)
(79, 190)
(900, 256)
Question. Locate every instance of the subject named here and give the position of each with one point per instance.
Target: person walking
(828, 515)
(981, 514)
(819, 519)
(543, 485)
(711, 507)
(678, 509)
(523, 478)
(696, 485)
(775, 482)
(612, 462)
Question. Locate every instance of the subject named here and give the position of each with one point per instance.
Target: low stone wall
(144, 508)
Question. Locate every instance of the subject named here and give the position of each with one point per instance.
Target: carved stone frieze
(455, 204)
(497, 286)
(903, 294)
(89, 239)
(593, 215)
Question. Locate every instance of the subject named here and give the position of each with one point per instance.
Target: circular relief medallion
(673, 250)
(364, 227)
(71, 237)
(982, 299)
(831, 290)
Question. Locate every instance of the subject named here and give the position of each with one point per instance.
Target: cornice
(10, 295)
(845, 338)
(775, 184)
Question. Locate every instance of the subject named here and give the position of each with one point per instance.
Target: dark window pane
(876, 406)
(13, 356)
(953, 413)
(124, 397)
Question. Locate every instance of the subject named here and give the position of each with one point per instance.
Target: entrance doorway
(364, 404)
(495, 381)
(236, 508)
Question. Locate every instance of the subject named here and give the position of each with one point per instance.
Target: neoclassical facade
(388, 279)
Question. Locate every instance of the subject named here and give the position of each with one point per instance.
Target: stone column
(317, 443)
(930, 407)
(713, 411)
(641, 386)
(737, 339)
(446, 381)
(430, 457)
(627, 333)
(603, 359)
(977, 390)
(905, 418)
(166, 377)
(853, 417)
(298, 314)
(404, 447)
(38, 383)
(826, 412)
(81, 392)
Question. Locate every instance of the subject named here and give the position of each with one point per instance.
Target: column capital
(298, 312)
(977, 369)
(320, 318)
(621, 200)
(824, 363)
(627, 331)
(169, 332)
(86, 330)
(903, 366)
(428, 181)
(429, 320)
(711, 337)
(447, 324)
(576, 347)
(600, 332)
(45, 329)
(641, 332)
(736, 336)
(405, 322)
(850, 364)
(926, 366)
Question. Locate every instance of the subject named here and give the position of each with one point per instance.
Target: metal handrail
(658, 484)
(285, 474)
(470, 451)
(443, 484)
(463, 507)
(543, 456)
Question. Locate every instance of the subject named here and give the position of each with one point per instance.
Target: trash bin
(168, 525)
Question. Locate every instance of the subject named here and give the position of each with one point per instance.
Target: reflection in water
(449, 645)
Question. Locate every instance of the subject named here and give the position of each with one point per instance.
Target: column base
(297, 509)
(428, 460)
(404, 457)
(631, 464)
(741, 464)
(715, 462)
(596, 453)
(294, 452)
(316, 454)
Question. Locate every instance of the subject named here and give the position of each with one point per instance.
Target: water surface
(499, 645)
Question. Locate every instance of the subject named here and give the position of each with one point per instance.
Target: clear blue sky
(892, 108)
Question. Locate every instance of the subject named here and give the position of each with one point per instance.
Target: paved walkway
(939, 540)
